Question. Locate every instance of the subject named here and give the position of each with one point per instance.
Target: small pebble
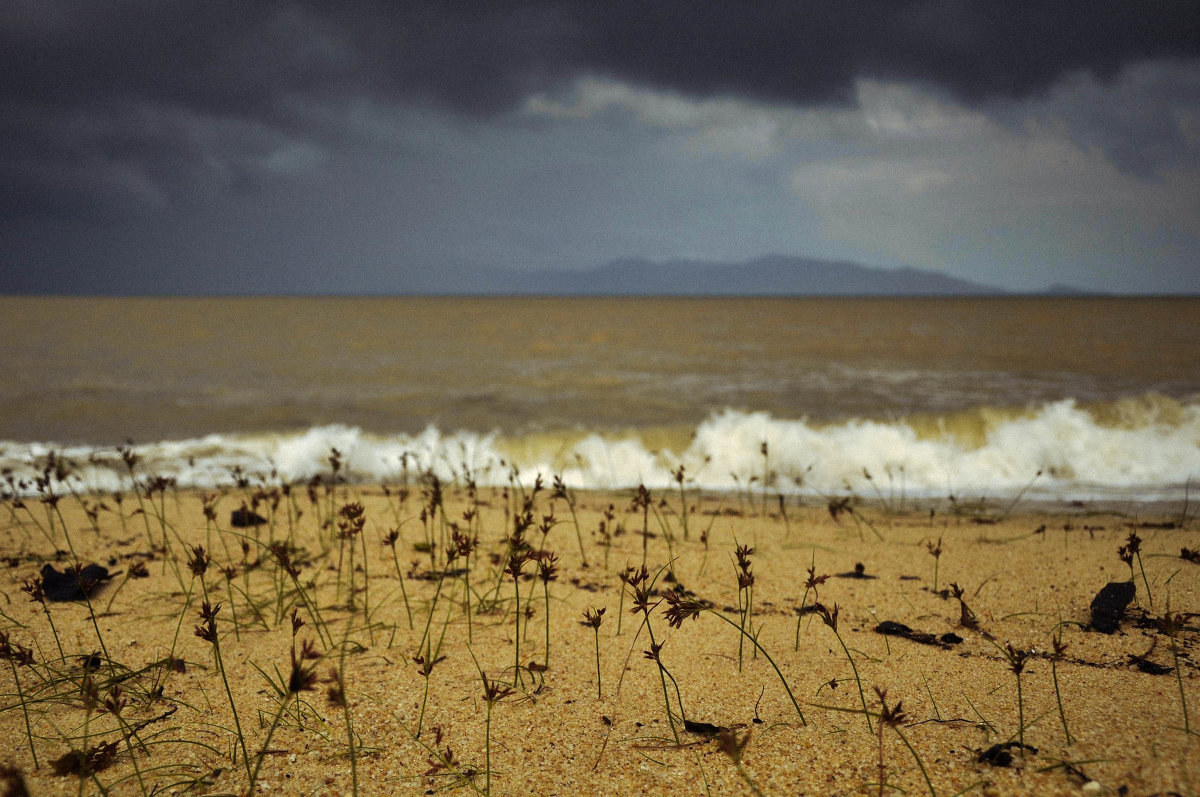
(1092, 787)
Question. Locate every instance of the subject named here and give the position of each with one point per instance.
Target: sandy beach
(124, 692)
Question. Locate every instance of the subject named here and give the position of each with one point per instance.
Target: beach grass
(299, 674)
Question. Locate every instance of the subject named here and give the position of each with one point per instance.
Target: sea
(896, 399)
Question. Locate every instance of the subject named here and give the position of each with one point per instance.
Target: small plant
(680, 607)
(1171, 624)
(350, 522)
(745, 581)
(561, 491)
(390, 540)
(594, 617)
(1016, 662)
(768, 478)
(830, 618)
(516, 562)
(1132, 549)
(734, 747)
(640, 585)
(301, 678)
(493, 693)
(812, 583)
(33, 587)
(21, 656)
(207, 630)
(547, 571)
(935, 550)
(1055, 657)
(680, 480)
(893, 718)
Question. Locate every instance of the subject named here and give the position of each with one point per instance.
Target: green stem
(346, 707)
(403, 589)
(517, 634)
(1187, 727)
(220, 664)
(267, 744)
(861, 695)
(920, 765)
(25, 711)
(487, 734)
(599, 691)
(546, 592)
(767, 656)
(1062, 714)
(1020, 714)
(662, 679)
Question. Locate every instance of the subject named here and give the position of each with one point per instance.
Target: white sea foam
(1079, 453)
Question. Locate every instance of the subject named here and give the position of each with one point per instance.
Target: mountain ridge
(766, 275)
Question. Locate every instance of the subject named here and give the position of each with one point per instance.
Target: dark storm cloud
(127, 102)
(130, 96)
(241, 57)
(110, 109)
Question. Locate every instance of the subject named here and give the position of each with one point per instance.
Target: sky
(382, 145)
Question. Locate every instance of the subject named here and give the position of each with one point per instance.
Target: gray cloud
(405, 130)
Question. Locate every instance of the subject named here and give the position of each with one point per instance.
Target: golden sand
(1024, 577)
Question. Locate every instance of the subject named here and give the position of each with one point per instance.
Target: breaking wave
(1144, 448)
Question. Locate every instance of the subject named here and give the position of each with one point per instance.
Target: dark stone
(68, 586)
(1108, 607)
(951, 639)
(892, 628)
(245, 518)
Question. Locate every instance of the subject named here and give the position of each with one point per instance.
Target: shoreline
(1025, 576)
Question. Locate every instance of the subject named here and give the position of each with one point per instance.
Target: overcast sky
(291, 147)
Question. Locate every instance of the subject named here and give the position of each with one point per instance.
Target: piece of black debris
(706, 728)
(859, 571)
(244, 518)
(1108, 607)
(72, 586)
(1149, 667)
(998, 755)
(893, 628)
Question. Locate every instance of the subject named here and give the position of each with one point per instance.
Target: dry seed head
(814, 580)
(593, 617)
(33, 588)
(892, 717)
(198, 561)
(830, 618)
(493, 691)
(302, 678)
(1016, 658)
(547, 566)
(681, 607)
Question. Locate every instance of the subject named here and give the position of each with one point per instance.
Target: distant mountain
(771, 275)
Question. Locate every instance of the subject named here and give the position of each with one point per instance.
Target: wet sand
(1025, 576)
